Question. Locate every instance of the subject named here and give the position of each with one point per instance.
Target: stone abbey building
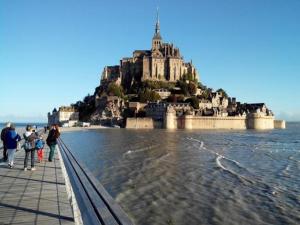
(163, 63)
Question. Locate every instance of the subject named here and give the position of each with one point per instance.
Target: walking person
(3, 137)
(39, 145)
(29, 145)
(11, 138)
(52, 140)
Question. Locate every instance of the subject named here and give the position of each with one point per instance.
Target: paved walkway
(33, 197)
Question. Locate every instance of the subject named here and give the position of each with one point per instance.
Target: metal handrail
(95, 204)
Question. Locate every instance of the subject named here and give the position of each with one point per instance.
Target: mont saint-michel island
(113, 113)
(157, 88)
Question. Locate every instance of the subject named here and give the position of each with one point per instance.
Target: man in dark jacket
(3, 137)
(12, 138)
(52, 141)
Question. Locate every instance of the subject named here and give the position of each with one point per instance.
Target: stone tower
(157, 40)
(163, 62)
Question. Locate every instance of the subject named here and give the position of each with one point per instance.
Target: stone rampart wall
(140, 123)
(200, 122)
(207, 122)
(218, 123)
(279, 124)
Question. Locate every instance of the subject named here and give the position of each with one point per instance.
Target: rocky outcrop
(109, 109)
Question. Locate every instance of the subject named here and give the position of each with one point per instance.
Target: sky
(52, 52)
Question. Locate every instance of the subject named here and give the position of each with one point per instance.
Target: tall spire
(157, 40)
(157, 26)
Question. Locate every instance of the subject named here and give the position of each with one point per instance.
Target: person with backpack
(29, 146)
(11, 139)
(52, 140)
(39, 145)
(3, 137)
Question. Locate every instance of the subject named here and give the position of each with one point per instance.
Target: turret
(170, 118)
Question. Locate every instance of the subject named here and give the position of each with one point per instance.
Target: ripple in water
(197, 177)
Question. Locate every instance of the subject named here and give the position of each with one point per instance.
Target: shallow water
(197, 177)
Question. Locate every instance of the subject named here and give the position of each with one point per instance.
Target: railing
(95, 204)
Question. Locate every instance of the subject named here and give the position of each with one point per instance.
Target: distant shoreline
(92, 127)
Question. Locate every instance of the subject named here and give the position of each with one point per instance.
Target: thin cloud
(288, 116)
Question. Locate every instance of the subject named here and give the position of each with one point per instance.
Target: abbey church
(163, 63)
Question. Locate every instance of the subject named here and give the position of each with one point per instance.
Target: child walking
(39, 144)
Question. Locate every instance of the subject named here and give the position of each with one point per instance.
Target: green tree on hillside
(85, 107)
(157, 84)
(188, 76)
(206, 93)
(192, 88)
(194, 101)
(183, 86)
(149, 95)
(116, 90)
(201, 86)
(175, 98)
(223, 92)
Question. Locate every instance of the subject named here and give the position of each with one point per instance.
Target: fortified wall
(252, 121)
(205, 122)
(143, 123)
(279, 124)
(171, 121)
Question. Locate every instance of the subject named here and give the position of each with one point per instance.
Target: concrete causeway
(34, 197)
